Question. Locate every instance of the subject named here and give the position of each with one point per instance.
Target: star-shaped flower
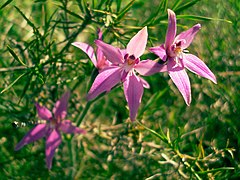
(176, 60)
(51, 130)
(124, 65)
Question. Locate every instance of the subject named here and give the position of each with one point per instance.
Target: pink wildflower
(52, 129)
(173, 52)
(123, 67)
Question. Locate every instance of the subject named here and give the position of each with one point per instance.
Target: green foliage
(169, 140)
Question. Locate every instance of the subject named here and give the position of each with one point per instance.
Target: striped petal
(149, 67)
(53, 141)
(197, 66)
(88, 50)
(133, 91)
(60, 108)
(67, 127)
(112, 54)
(181, 80)
(159, 51)
(188, 36)
(43, 112)
(172, 29)
(137, 44)
(34, 134)
(105, 81)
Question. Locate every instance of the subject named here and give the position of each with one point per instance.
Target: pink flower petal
(67, 127)
(133, 90)
(112, 54)
(43, 112)
(105, 81)
(137, 44)
(60, 108)
(34, 134)
(88, 50)
(99, 34)
(159, 51)
(102, 62)
(188, 35)
(181, 80)
(53, 141)
(149, 67)
(172, 29)
(197, 66)
(144, 83)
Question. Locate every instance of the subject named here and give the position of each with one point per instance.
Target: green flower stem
(86, 108)
(84, 112)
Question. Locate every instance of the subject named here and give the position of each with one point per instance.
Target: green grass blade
(176, 4)
(28, 21)
(160, 136)
(181, 8)
(215, 170)
(186, 6)
(202, 18)
(125, 10)
(15, 56)
(25, 87)
(5, 4)
(16, 80)
(161, 9)
(71, 13)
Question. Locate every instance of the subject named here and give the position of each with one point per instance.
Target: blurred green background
(203, 139)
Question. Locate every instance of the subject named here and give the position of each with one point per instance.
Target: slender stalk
(86, 108)
(13, 68)
(84, 112)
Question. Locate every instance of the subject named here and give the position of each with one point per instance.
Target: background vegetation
(173, 141)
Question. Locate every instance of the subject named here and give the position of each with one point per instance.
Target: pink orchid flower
(123, 67)
(173, 52)
(51, 130)
(100, 61)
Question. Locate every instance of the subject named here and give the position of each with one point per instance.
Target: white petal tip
(170, 12)
(198, 26)
(214, 80)
(74, 43)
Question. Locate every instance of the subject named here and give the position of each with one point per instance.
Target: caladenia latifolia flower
(51, 130)
(125, 64)
(174, 54)
(99, 60)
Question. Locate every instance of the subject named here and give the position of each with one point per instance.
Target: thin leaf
(176, 4)
(72, 13)
(161, 8)
(186, 6)
(101, 3)
(25, 87)
(119, 2)
(125, 10)
(86, 8)
(160, 136)
(5, 4)
(183, 7)
(15, 56)
(193, 17)
(214, 170)
(35, 30)
(16, 80)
